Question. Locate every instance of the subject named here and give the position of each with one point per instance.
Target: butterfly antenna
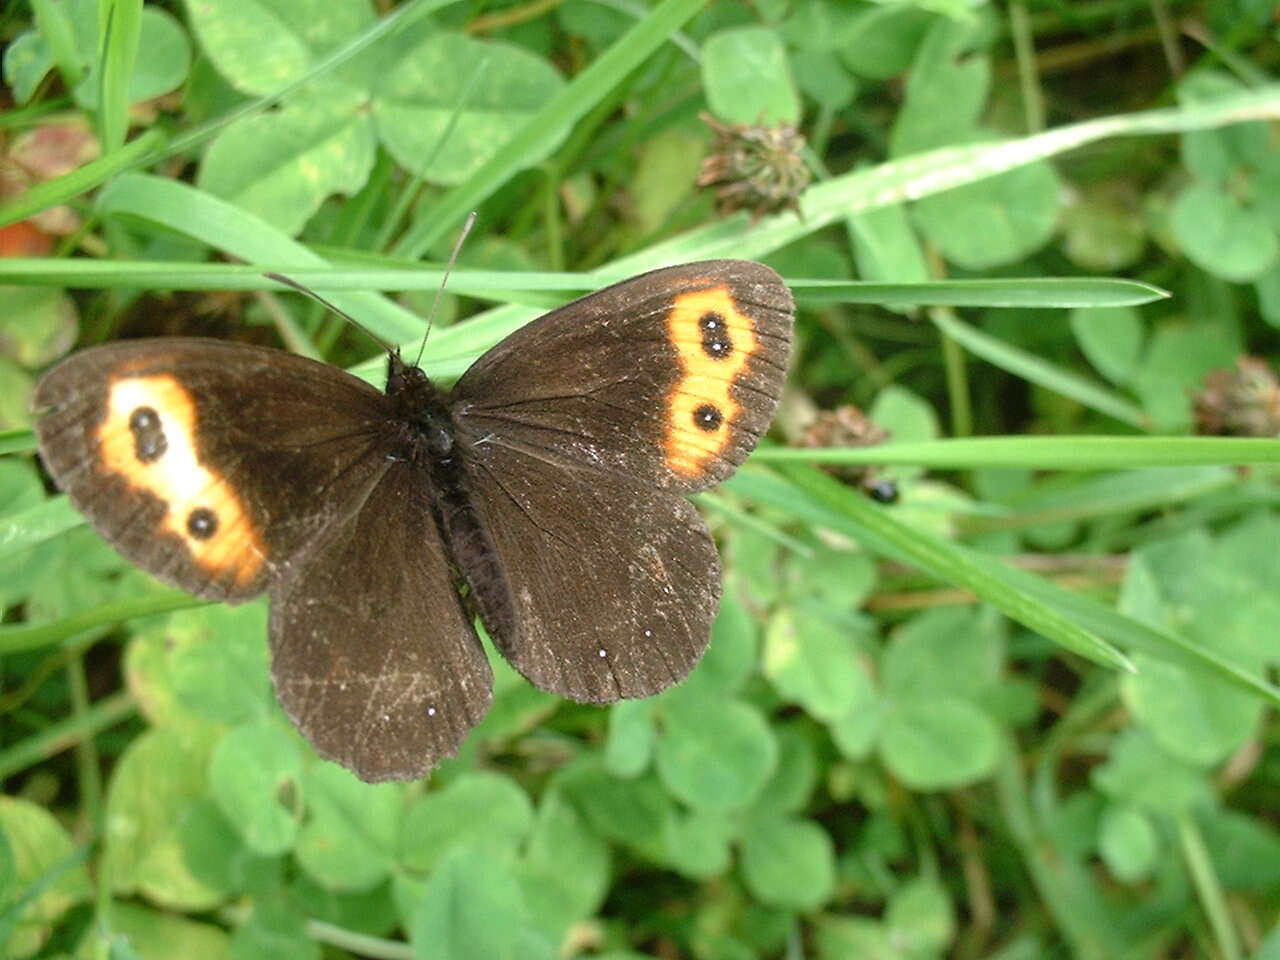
(453, 258)
(281, 278)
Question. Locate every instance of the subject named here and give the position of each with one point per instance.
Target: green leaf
(1234, 599)
(471, 909)
(27, 62)
(348, 842)
(731, 658)
(218, 661)
(995, 221)
(1103, 235)
(1140, 773)
(1127, 843)
(261, 45)
(697, 844)
(371, 912)
(885, 246)
(450, 103)
(936, 743)
(443, 819)
(920, 917)
(626, 811)
(839, 577)
(215, 854)
(256, 775)
(167, 60)
(276, 930)
(942, 652)
(856, 731)
(945, 91)
(747, 77)
(42, 875)
(629, 747)
(1174, 368)
(665, 176)
(821, 76)
(904, 414)
(156, 935)
(1199, 719)
(1222, 236)
(814, 663)
(788, 862)
(539, 134)
(282, 165)
(840, 938)
(1268, 287)
(565, 870)
(716, 755)
(1245, 849)
(1111, 337)
(37, 326)
(793, 781)
(158, 782)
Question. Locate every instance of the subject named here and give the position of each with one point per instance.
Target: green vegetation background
(1028, 711)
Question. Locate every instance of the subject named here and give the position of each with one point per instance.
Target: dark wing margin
(669, 378)
(208, 464)
(373, 654)
(611, 586)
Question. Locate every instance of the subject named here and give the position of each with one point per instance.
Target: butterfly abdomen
(429, 430)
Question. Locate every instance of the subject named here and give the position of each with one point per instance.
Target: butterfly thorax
(420, 410)
(429, 438)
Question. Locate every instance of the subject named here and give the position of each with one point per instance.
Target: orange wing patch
(148, 438)
(714, 341)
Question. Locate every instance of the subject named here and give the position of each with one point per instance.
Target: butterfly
(545, 493)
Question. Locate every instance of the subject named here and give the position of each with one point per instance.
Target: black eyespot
(708, 418)
(202, 523)
(149, 443)
(716, 342)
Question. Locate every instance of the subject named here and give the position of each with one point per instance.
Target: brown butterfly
(545, 492)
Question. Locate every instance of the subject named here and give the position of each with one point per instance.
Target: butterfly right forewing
(208, 464)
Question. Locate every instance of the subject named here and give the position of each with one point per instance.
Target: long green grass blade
(20, 531)
(15, 639)
(1094, 630)
(62, 736)
(1044, 453)
(188, 210)
(120, 27)
(827, 501)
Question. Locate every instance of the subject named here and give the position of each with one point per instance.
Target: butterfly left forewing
(207, 464)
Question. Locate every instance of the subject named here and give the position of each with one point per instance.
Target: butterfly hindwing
(373, 655)
(612, 585)
(669, 378)
(208, 464)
